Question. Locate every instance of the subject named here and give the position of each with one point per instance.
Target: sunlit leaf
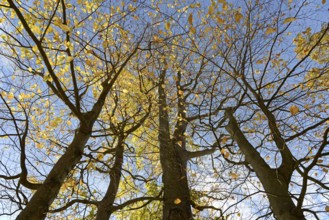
(270, 31)
(225, 153)
(69, 59)
(177, 201)
(190, 19)
(293, 109)
(167, 26)
(238, 16)
(234, 176)
(288, 20)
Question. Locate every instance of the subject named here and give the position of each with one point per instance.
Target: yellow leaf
(190, 19)
(10, 96)
(294, 109)
(157, 39)
(259, 61)
(193, 30)
(177, 201)
(288, 20)
(89, 63)
(220, 20)
(225, 153)
(234, 175)
(224, 140)
(327, 208)
(211, 10)
(55, 122)
(270, 31)
(323, 2)
(180, 92)
(167, 26)
(238, 16)
(62, 26)
(35, 29)
(69, 59)
(267, 157)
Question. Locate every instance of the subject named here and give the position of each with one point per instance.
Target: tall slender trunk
(105, 206)
(274, 182)
(176, 199)
(177, 205)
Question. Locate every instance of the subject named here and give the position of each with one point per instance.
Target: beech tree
(273, 114)
(164, 109)
(69, 58)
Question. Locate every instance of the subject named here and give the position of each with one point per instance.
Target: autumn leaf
(10, 96)
(259, 61)
(89, 63)
(220, 20)
(238, 16)
(157, 39)
(225, 153)
(177, 201)
(327, 209)
(224, 140)
(167, 26)
(62, 26)
(270, 31)
(324, 2)
(193, 30)
(288, 20)
(190, 19)
(293, 109)
(211, 10)
(69, 59)
(234, 175)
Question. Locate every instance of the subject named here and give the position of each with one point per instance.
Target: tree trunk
(176, 191)
(274, 183)
(38, 206)
(176, 199)
(106, 205)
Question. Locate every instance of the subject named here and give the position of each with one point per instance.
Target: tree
(180, 109)
(79, 71)
(272, 112)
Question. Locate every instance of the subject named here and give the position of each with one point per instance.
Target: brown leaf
(294, 109)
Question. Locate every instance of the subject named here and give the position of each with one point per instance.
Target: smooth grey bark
(274, 181)
(176, 199)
